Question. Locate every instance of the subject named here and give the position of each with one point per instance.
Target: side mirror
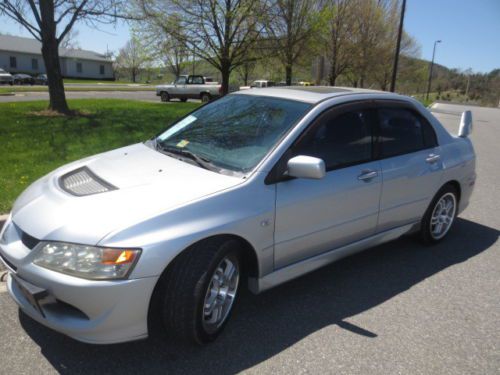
(465, 128)
(306, 167)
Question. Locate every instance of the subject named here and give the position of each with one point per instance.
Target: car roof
(310, 94)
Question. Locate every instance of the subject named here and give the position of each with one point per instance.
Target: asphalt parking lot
(400, 308)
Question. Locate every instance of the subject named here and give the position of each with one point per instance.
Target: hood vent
(83, 181)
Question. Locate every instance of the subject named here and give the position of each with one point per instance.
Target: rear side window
(341, 140)
(401, 131)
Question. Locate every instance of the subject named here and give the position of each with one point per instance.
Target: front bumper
(98, 312)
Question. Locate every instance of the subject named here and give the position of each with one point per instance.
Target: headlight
(89, 262)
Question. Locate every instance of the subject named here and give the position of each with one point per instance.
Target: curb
(3, 219)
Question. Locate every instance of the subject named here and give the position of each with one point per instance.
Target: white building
(23, 55)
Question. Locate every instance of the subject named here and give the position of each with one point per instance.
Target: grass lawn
(33, 145)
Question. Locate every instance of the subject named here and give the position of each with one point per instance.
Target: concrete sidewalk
(3, 219)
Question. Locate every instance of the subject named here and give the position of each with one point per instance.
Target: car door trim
(292, 271)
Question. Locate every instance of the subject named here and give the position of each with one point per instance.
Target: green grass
(33, 145)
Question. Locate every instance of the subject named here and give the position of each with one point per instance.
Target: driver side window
(181, 81)
(340, 140)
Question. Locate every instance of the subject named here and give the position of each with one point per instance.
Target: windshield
(234, 132)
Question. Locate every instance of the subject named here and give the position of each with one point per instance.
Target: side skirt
(282, 275)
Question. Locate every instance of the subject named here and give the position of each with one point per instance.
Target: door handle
(367, 175)
(432, 158)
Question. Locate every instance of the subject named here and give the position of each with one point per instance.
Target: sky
(469, 30)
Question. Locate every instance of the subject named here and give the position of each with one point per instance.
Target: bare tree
(49, 21)
(133, 57)
(290, 27)
(220, 32)
(70, 41)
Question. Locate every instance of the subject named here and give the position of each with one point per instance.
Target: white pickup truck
(189, 87)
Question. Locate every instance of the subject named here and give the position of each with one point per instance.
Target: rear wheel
(440, 215)
(164, 96)
(184, 100)
(199, 290)
(205, 97)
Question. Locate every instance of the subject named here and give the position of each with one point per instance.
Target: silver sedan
(258, 187)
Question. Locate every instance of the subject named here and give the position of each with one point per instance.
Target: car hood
(148, 183)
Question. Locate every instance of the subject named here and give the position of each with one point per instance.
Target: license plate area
(30, 292)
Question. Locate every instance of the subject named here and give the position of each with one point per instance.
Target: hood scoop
(83, 181)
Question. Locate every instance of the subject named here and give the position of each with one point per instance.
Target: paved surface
(400, 308)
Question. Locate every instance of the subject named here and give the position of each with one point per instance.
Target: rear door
(411, 164)
(314, 216)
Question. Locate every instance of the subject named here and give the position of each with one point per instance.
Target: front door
(315, 216)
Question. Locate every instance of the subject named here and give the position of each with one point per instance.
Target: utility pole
(398, 46)
(430, 70)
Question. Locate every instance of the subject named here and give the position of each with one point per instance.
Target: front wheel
(440, 215)
(200, 289)
(164, 96)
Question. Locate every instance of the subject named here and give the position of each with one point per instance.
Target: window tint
(342, 140)
(196, 80)
(181, 81)
(430, 139)
(401, 132)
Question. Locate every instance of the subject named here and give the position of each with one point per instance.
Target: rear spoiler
(465, 128)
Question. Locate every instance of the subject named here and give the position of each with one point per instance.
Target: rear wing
(465, 128)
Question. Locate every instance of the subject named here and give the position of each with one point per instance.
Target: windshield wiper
(201, 161)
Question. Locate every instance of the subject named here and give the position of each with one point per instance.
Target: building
(23, 55)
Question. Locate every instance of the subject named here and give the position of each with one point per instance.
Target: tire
(184, 100)
(205, 97)
(164, 96)
(445, 202)
(190, 283)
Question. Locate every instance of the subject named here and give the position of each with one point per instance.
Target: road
(149, 96)
(400, 308)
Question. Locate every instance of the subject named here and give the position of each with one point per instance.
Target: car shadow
(264, 325)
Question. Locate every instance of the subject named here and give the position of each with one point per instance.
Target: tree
(70, 41)
(50, 21)
(337, 23)
(163, 46)
(220, 32)
(290, 26)
(133, 57)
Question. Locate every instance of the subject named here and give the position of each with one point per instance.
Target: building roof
(28, 45)
(311, 94)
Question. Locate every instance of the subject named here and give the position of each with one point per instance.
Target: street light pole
(398, 46)
(430, 70)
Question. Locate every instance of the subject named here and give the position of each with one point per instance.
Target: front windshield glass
(234, 132)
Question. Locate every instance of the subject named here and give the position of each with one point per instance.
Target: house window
(13, 62)
(79, 68)
(34, 64)
(101, 69)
